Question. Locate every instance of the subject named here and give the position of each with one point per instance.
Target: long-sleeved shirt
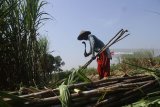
(96, 45)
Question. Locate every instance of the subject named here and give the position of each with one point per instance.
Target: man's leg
(106, 67)
(99, 67)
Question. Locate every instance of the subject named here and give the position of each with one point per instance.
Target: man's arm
(92, 45)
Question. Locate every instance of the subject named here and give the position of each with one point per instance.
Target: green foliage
(74, 77)
(57, 78)
(71, 76)
(152, 99)
(65, 96)
(147, 102)
(58, 63)
(23, 54)
(48, 63)
(141, 62)
(90, 71)
(143, 58)
(19, 49)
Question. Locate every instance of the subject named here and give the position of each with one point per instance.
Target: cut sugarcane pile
(110, 92)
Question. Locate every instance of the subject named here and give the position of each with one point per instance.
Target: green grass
(143, 58)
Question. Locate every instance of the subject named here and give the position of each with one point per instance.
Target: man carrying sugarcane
(103, 60)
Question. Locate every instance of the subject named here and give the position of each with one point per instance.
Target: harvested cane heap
(111, 92)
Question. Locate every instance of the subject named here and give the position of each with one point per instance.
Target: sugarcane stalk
(14, 92)
(46, 101)
(84, 101)
(119, 79)
(115, 83)
(140, 91)
(39, 94)
(134, 96)
(129, 85)
(93, 93)
(139, 79)
(112, 92)
(86, 94)
(90, 85)
(95, 83)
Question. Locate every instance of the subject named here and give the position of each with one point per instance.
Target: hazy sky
(104, 18)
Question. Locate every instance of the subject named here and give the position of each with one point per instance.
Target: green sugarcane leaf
(65, 96)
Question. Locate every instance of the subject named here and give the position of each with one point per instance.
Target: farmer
(103, 60)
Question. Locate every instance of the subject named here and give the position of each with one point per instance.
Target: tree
(58, 63)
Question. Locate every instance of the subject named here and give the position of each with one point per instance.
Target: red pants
(103, 65)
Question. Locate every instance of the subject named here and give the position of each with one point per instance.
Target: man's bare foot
(125, 75)
(105, 78)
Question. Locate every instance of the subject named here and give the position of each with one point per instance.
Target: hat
(83, 34)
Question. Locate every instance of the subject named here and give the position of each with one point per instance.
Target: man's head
(83, 35)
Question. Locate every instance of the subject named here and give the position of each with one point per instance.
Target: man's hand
(85, 54)
(93, 57)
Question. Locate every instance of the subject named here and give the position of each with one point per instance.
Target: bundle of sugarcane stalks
(111, 92)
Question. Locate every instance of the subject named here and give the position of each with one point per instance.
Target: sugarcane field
(70, 53)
